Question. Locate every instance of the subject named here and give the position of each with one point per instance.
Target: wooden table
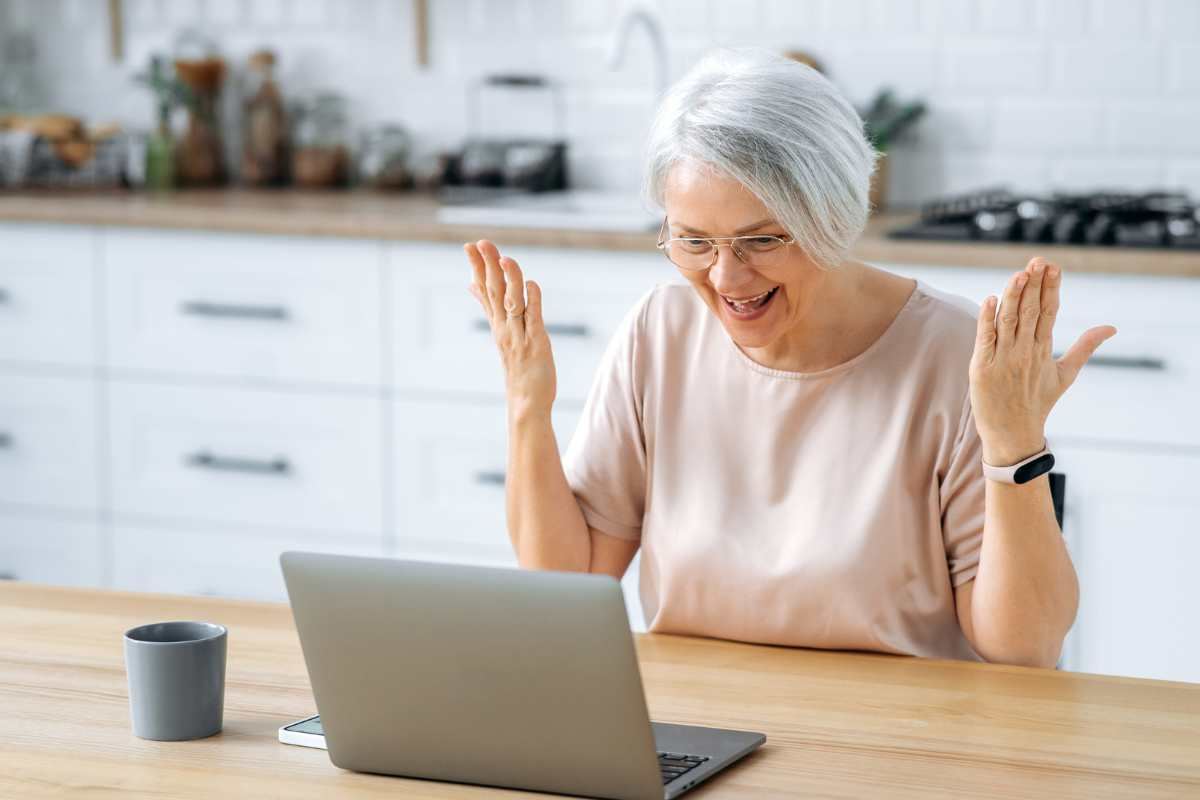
(838, 724)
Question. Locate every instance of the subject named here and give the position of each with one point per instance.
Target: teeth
(742, 306)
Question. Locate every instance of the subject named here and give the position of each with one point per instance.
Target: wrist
(524, 415)
(1007, 451)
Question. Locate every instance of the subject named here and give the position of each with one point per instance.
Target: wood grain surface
(843, 725)
(413, 217)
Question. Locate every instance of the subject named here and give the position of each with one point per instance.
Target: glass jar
(383, 161)
(321, 152)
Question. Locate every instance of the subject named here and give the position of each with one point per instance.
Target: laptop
(499, 677)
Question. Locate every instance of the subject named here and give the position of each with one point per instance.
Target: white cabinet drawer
(46, 294)
(210, 561)
(245, 306)
(64, 552)
(48, 441)
(441, 339)
(1132, 520)
(1142, 385)
(449, 480)
(277, 459)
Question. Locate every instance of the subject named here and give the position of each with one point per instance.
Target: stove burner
(1154, 219)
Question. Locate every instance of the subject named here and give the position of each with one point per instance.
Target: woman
(796, 441)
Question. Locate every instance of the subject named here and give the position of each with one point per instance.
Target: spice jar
(321, 155)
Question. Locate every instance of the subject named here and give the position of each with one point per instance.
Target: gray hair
(780, 129)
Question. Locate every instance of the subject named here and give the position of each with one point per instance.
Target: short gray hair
(780, 129)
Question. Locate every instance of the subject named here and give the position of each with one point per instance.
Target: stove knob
(1101, 230)
(1068, 228)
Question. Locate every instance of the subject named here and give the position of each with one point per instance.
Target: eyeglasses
(700, 252)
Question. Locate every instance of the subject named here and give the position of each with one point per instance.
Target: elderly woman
(807, 450)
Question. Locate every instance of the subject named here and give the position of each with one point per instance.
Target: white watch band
(1023, 471)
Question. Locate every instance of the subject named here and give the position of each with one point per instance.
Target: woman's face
(757, 306)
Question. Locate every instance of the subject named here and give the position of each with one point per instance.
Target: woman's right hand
(517, 328)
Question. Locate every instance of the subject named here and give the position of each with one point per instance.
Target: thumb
(1074, 359)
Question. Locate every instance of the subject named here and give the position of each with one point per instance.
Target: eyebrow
(762, 223)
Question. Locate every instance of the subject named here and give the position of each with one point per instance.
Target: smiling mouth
(749, 305)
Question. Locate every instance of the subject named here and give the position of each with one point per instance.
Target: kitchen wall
(1072, 93)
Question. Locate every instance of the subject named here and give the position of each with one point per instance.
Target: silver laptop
(499, 677)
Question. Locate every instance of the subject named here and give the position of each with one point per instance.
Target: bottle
(264, 142)
(160, 146)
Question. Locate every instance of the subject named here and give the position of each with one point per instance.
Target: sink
(571, 210)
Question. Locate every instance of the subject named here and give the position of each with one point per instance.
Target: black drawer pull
(204, 308)
(576, 329)
(4, 296)
(1126, 362)
(6, 440)
(5, 575)
(489, 478)
(206, 460)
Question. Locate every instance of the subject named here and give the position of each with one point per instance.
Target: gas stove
(1104, 219)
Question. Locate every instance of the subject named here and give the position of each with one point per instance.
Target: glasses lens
(759, 251)
(690, 253)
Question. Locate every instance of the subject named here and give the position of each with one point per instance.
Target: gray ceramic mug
(176, 679)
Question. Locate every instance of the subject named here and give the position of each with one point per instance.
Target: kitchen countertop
(838, 724)
(413, 216)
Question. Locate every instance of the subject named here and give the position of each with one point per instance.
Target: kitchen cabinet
(202, 401)
(1132, 521)
(47, 306)
(245, 307)
(216, 560)
(48, 442)
(68, 550)
(247, 455)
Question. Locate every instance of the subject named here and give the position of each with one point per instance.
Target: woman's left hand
(1015, 380)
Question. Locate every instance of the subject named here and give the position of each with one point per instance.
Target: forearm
(545, 523)
(1026, 592)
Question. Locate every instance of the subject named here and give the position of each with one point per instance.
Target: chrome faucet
(635, 14)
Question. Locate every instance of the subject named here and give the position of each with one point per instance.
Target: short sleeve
(962, 501)
(605, 463)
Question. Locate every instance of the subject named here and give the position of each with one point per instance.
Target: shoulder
(943, 325)
(665, 312)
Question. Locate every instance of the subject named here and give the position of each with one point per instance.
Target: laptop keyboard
(673, 765)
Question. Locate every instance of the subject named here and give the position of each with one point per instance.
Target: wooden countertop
(838, 724)
(361, 214)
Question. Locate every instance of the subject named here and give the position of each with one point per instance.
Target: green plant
(884, 118)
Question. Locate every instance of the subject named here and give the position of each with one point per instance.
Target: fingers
(985, 331)
(493, 278)
(1010, 304)
(534, 325)
(1051, 283)
(1074, 359)
(1030, 307)
(514, 296)
(478, 278)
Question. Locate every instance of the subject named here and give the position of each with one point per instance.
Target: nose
(729, 274)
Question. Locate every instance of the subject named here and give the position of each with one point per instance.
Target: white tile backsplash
(1030, 94)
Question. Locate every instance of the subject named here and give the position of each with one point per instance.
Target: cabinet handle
(4, 296)
(8, 576)
(206, 460)
(576, 329)
(204, 308)
(489, 478)
(6, 440)
(1126, 362)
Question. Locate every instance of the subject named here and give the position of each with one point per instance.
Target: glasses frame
(717, 242)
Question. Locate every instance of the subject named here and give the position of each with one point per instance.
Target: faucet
(635, 14)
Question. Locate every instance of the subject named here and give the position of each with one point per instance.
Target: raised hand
(1015, 379)
(513, 308)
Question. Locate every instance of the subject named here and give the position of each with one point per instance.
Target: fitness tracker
(1024, 471)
